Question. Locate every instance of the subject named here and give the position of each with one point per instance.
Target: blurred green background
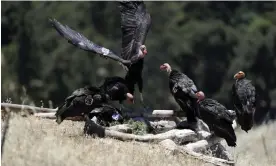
(208, 41)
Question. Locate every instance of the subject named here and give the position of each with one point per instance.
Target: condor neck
(169, 71)
(199, 100)
(240, 79)
(174, 72)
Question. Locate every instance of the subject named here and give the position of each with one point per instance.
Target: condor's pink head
(166, 67)
(200, 96)
(143, 51)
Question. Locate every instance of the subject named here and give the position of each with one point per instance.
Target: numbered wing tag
(88, 100)
(105, 51)
(116, 116)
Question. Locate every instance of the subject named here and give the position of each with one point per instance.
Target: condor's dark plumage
(77, 39)
(218, 118)
(82, 101)
(184, 91)
(116, 88)
(135, 24)
(105, 115)
(244, 100)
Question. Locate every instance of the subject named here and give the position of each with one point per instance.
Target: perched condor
(117, 90)
(135, 24)
(81, 102)
(184, 91)
(244, 101)
(218, 118)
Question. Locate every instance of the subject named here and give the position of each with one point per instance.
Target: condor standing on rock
(135, 24)
(244, 100)
(218, 118)
(184, 91)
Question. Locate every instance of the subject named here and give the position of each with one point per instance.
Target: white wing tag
(105, 51)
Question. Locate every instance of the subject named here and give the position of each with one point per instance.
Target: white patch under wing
(81, 43)
(105, 51)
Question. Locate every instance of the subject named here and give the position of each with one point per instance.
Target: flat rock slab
(204, 134)
(184, 136)
(163, 125)
(124, 128)
(162, 113)
(197, 146)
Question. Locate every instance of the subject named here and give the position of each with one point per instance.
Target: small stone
(185, 135)
(202, 125)
(204, 134)
(197, 146)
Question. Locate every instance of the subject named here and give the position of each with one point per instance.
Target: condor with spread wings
(135, 24)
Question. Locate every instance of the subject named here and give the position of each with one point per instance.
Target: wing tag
(116, 116)
(89, 100)
(105, 51)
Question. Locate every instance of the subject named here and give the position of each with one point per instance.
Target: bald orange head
(239, 75)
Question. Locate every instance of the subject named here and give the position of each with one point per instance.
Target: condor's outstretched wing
(83, 43)
(135, 24)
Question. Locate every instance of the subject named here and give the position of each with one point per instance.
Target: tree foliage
(209, 41)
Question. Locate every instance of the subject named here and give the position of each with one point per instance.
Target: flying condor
(135, 24)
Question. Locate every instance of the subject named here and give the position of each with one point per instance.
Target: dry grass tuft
(257, 147)
(33, 141)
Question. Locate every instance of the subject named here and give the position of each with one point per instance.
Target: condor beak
(162, 67)
(235, 76)
(145, 52)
